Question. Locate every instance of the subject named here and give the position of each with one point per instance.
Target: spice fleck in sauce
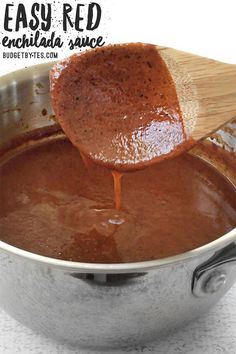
(53, 205)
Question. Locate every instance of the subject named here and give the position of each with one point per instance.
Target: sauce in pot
(53, 205)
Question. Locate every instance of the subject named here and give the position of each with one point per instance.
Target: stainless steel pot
(99, 305)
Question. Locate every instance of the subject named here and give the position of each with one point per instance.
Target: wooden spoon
(206, 89)
(128, 106)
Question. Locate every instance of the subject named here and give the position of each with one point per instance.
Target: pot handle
(211, 276)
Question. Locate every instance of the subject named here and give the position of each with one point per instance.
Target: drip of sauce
(86, 161)
(117, 188)
(116, 178)
(118, 105)
(51, 205)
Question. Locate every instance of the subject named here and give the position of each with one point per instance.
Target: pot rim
(99, 267)
(121, 267)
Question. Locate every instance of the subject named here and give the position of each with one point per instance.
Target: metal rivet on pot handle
(211, 276)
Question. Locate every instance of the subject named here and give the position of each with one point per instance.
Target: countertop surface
(212, 334)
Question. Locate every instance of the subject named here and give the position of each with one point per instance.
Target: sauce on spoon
(118, 105)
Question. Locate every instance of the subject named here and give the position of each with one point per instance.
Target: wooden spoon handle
(206, 89)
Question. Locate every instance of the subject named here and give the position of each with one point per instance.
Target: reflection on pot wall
(63, 306)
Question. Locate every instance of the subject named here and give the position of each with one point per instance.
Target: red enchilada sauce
(52, 205)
